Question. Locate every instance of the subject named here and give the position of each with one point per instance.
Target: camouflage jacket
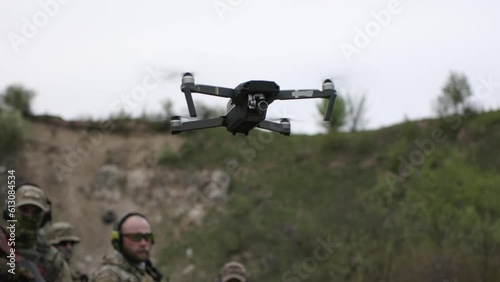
(52, 265)
(77, 276)
(24, 270)
(117, 269)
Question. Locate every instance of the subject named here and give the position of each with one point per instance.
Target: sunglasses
(65, 243)
(137, 237)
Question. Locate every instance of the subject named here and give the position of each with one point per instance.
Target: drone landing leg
(282, 128)
(176, 128)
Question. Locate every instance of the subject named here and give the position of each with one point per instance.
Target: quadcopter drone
(247, 105)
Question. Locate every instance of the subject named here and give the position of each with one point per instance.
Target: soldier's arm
(65, 273)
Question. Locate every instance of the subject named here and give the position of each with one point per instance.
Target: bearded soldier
(132, 240)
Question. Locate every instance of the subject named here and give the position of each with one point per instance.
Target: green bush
(14, 131)
(169, 156)
(19, 98)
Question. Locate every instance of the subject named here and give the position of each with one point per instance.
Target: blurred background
(402, 184)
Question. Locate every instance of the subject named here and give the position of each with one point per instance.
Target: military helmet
(233, 270)
(61, 231)
(30, 194)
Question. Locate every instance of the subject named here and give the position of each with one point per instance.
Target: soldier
(33, 210)
(13, 267)
(233, 272)
(132, 239)
(62, 236)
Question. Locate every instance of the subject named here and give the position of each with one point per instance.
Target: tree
(348, 112)
(19, 98)
(356, 111)
(455, 96)
(13, 131)
(339, 114)
(167, 107)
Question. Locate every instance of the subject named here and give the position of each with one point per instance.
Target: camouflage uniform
(49, 261)
(118, 269)
(233, 271)
(24, 270)
(60, 232)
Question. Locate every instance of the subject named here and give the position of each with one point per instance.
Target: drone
(247, 105)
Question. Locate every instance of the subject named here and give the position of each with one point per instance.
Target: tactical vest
(117, 268)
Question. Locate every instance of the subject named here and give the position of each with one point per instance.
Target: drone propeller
(173, 74)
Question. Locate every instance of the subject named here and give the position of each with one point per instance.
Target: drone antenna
(187, 81)
(328, 85)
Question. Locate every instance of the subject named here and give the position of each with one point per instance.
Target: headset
(116, 234)
(46, 217)
(117, 242)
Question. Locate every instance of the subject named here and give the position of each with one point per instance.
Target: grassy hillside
(419, 201)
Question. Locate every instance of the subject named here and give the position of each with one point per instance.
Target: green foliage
(13, 130)
(410, 129)
(339, 114)
(169, 157)
(167, 107)
(348, 113)
(455, 96)
(438, 224)
(205, 111)
(356, 112)
(19, 98)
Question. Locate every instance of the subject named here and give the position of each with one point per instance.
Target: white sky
(90, 54)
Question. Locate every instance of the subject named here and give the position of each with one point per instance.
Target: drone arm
(303, 94)
(329, 107)
(177, 126)
(282, 128)
(189, 100)
(212, 90)
(306, 94)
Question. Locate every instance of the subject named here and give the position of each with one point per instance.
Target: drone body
(247, 105)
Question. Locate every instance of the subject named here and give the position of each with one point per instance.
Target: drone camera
(262, 105)
(257, 101)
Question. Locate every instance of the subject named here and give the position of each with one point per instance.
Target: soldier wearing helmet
(33, 210)
(62, 236)
(233, 272)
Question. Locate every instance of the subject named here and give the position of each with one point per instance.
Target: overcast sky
(86, 58)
